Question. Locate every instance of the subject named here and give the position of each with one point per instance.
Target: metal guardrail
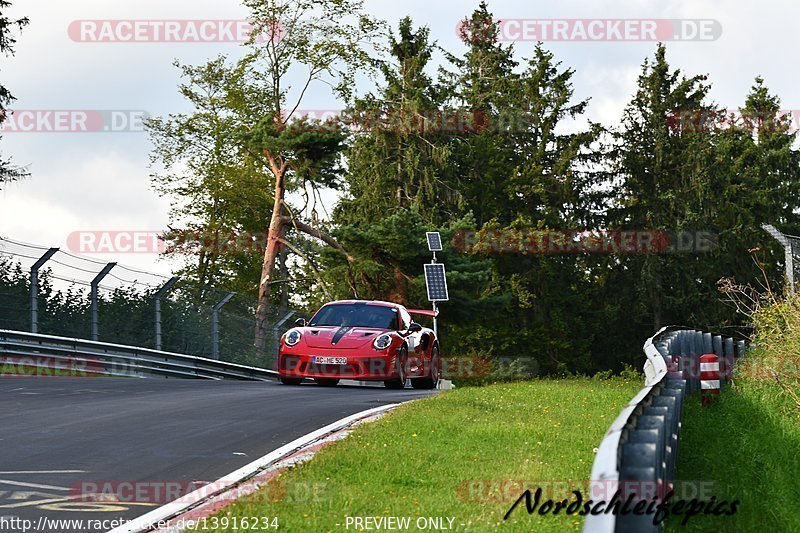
(638, 454)
(29, 353)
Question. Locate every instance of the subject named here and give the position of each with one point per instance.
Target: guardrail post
(691, 364)
(721, 356)
(95, 305)
(160, 294)
(740, 349)
(728, 355)
(215, 324)
(708, 345)
(35, 288)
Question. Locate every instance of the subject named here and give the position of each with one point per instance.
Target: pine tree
(485, 84)
(399, 157)
(666, 183)
(756, 154)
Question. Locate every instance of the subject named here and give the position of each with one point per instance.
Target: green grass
(429, 458)
(748, 445)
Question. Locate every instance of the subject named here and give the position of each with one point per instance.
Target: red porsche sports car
(361, 340)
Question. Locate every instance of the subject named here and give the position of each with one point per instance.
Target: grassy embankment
(464, 454)
(748, 445)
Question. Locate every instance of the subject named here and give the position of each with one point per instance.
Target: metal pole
(160, 294)
(95, 306)
(215, 324)
(787, 249)
(435, 328)
(35, 288)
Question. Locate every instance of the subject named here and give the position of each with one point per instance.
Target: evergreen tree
(399, 157)
(485, 84)
(666, 183)
(520, 173)
(755, 151)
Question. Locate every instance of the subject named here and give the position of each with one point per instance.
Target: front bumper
(371, 366)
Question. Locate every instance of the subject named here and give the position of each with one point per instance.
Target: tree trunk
(273, 249)
(284, 276)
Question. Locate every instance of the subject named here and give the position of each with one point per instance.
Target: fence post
(215, 324)
(35, 288)
(787, 251)
(160, 294)
(95, 305)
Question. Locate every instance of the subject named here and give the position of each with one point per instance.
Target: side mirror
(414, 328)
(300, 322)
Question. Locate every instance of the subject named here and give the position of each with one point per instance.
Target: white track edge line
(148, 520)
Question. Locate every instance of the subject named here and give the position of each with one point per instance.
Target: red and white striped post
(709, 378)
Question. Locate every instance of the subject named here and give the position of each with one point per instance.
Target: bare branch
(324, 237)
(310, 263)
(314, 232)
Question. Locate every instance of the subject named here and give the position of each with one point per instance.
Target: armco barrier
(45, 355)
(638, 454)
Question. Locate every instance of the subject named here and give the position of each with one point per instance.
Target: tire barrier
(638, 456)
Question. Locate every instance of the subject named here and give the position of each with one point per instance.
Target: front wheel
(432, 380)
(400, 381)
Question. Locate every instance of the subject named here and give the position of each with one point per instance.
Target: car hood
(342, 338)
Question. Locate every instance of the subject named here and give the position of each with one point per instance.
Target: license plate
(321, 360)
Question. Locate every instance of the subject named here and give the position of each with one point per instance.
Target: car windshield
(360, 315)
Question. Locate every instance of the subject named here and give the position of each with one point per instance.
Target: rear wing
(424, 312)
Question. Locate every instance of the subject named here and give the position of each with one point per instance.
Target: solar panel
(436, 280)
(434, 241)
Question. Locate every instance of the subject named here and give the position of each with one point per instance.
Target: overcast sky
(100, 181)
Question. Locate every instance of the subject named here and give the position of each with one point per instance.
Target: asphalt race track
(58, 434)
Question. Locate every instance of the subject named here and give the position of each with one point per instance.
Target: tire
(291, 381)
(432, 381)
(400, 382)
(326, 382)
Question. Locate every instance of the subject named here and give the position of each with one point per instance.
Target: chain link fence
(791, 247)
(129, 306)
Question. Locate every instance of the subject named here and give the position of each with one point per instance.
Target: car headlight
(292, 337)
(382, 342)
